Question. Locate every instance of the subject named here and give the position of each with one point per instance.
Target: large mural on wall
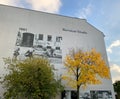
(40, 45)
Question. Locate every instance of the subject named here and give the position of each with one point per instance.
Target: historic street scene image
(42, 45)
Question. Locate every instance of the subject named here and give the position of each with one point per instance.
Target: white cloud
(115, 71)
(85, 11)
(114, 44)
(109, 50)
(45, 5)
(116, 78)
(115, 68)
(52, 6)
(8, 2)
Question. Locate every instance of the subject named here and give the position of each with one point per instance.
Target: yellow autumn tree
(84, 68)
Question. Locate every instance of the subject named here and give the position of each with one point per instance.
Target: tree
(32, 78)
(117, 88)
(84, 68)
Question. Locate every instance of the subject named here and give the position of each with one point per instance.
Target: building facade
(23, 32)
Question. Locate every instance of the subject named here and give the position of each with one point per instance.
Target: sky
(102, 14)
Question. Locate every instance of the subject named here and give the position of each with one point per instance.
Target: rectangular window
(40, 37)
(49, 38)
(58, 39)
(57, 48)
(48, 47)
(27, 40)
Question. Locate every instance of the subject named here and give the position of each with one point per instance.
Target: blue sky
(103, 14)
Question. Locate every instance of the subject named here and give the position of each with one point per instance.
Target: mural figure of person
(52, 51)
(16, 53)
(86, 96)
(29, 53)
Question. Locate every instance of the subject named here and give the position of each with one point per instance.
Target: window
(27, 40)
(49, 38)
(48, 47)
(40, 46)
(40, 37)
(57, 48)
(58, 39)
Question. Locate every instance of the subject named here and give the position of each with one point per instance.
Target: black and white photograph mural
(44, 45)
(101, 94)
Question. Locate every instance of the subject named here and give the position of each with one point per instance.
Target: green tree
(32, 78)
(117, 88)
(84, 68)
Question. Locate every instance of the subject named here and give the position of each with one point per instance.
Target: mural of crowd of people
(43, 45)
(93, 94)
(101, 94)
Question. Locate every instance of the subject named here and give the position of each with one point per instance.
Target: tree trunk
(78, 91)
(78, 86)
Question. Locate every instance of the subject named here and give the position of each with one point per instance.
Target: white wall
(11, 19)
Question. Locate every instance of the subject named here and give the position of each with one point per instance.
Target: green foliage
(32, 78)
(117, 88)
